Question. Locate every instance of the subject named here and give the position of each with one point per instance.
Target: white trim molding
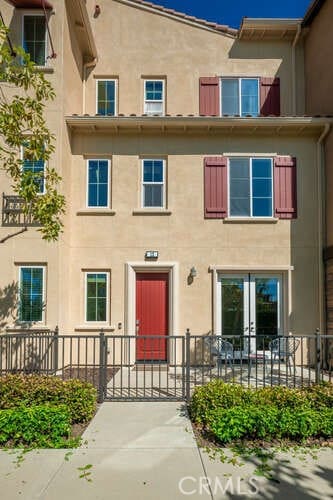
(172, 268)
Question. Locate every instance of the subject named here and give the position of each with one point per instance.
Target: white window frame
(40, 193)
(107, 319)
(251, 216)
(32, 13)
(115, 80)
(145, 101)
(32, 266)
(163, 206)
(108, 205)
(239, 78)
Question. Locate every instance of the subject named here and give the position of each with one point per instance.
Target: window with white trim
(31, 293)
(153, 183)
(240, 96)
(35, 167)
(34, 38)
(98, 190)
(106, 97)
(154, 97)
(97, 296)
(250, 187)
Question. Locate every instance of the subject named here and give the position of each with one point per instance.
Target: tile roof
(221, 28)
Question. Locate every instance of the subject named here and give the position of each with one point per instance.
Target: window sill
(94, 211)
(152, 211)
(26, 329)
(94, 328)
(251, 220)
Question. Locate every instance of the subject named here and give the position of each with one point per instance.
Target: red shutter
(216, 187)
(270, 96)
(285, 187)
(209, 102)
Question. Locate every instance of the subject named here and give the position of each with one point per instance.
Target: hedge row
(26, 390)
(232, 412)
(37, 426)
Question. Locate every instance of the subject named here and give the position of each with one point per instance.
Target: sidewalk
(146, 451)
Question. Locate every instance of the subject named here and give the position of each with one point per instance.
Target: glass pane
(31, 294)
(230, 97)
(262, 207)
(147, 171)
(239, 173)
(102, 90)
(154, 107)
(233, 308)
(96, 297)
(92, 195)
(153, 195)
(158, 171)
(249, 90)
(262, 187)
(262, 167)
(266, 309)
(91, 309)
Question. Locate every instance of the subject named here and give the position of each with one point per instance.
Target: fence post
(56, 349)
(318, 355)
(187, 365)
(102, 358)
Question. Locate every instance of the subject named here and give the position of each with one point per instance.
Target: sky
(230, 12)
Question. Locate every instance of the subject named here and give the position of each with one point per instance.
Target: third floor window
(106, 97)
(34, 38)
(240, 96)
(154, 97)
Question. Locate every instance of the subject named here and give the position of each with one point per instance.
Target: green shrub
(268, 422)
(26, 390)
(38, 426)
(232, 412)
(213, 396)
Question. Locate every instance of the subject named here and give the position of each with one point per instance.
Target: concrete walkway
(147, 451)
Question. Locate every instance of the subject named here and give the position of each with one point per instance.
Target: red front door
(152, 308)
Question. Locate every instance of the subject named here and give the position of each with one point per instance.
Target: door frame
(170, 268)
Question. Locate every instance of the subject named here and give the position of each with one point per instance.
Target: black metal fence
(154, 367)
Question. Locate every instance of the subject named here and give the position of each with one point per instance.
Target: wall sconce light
(193, 272)
(97, 10)
(191, 276)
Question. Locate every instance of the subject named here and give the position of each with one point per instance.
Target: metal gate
(127, 378)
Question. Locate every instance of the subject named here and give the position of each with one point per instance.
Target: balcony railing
(13, 214)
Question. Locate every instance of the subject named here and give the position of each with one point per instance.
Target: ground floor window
(31, 294)
(96, 296)
(250, 305)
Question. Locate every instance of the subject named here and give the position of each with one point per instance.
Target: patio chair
(282, 349)
(221, 349)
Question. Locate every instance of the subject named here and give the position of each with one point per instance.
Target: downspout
(293, 69)
(86, 65)
(321, 223)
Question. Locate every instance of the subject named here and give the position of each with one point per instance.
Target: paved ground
(146, 451)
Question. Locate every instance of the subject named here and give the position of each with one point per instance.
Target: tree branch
(13, 234)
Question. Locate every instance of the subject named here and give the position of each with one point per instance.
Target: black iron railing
(158, 368)
(14, 213)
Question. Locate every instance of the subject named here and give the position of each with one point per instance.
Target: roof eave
(78, 10)
(198, 123)
(268, 28)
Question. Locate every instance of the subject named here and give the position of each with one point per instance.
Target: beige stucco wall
(180, 53)
(185, 236)
(134, 43)
(319, 100)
